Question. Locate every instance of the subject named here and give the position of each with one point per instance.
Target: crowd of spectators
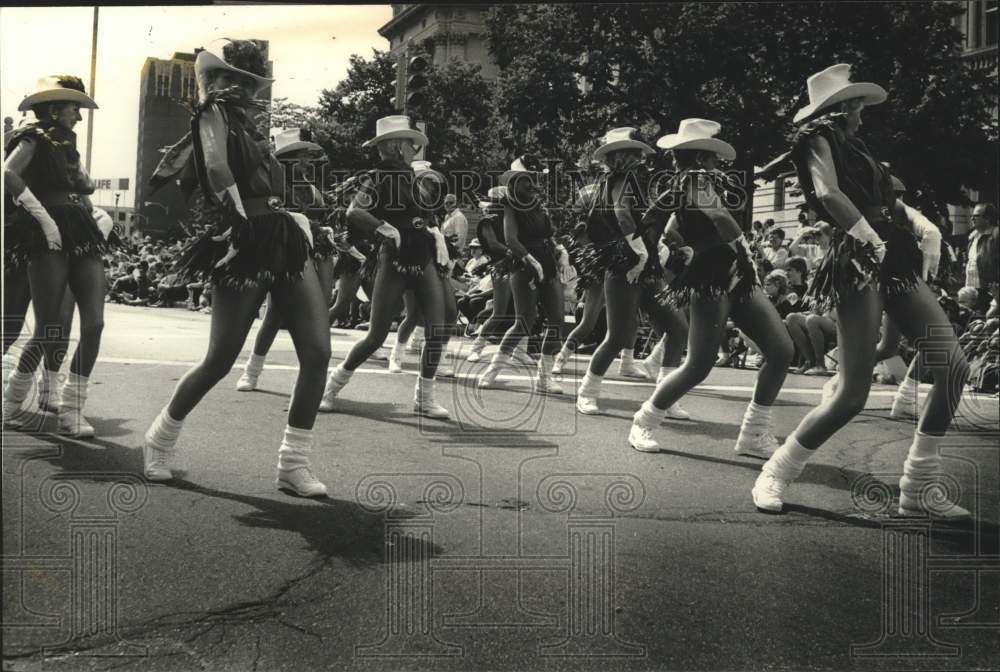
(965, 283)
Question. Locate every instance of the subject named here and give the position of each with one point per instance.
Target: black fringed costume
(266, 247)
(849, 264)
(717, 268)
(54, 178)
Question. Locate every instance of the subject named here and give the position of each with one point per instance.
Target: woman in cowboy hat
(719, 281)
(624, 258)
(489, 230)
(57, 233)
(430, 197)
(536, 273)
(254, 246)
(387, 204)
(873, 264)
(298, 157)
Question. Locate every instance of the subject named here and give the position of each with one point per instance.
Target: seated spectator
(797, 269)
(812, 243)
(774, 253)
(777, 289)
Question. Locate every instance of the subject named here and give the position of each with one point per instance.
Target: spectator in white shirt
(774, 252)
(812, 243)
(455, 224)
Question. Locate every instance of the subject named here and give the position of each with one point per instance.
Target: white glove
(863, 231)
(639, 247)
(535, 265)
(664, 253)
(356, 253)
(234, 195)
(104, 221)
(390, 232)
(565, 269)
(440, 246)
(29, 202)
(303, 223)
(930, 247)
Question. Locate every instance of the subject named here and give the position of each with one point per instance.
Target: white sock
(48, 382)
(500, 359)
(164, 431)
(656, 354)
(296, 445)
(590, 386)
(74, 393)
(789, 460)
(341, 375)
(908, 388)
(757, 418)
(418, 334)
(255, 364)
(18, 386)
(398, 349)
(648, 415)
(924, 446)
(627, 356)
(545, 363)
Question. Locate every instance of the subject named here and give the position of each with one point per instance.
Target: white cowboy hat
(294, 140)
(56, 88)
(213, 57)
(523, 164)
(834, 85)
(897, 184)
(475, 243)
(621, 138)
(698, 134)
(396, 126)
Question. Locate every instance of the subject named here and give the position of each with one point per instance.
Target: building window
(975, 25)
(779, 193)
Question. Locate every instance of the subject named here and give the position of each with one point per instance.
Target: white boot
(778, 473)
(159, 446)
(476, 350)
(755, 437)
(416, 342)
(15, 391)
(645, 420)
(589, 394)
(423, 400)
(251, 372)
(521, 356)
(546, 383)
(921, 492)
(488, 377)
(654, 362)
(335, 382)
(48, 391)
(675, 412)
(396, 357)
(904, 402)
(71, 403)
(293, 464)
(628, 368)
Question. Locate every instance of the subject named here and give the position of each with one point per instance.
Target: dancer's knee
(92, 329)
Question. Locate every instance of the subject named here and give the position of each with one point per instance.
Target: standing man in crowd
(455, 226)
(984, 254)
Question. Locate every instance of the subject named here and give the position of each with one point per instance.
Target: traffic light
(416, 82)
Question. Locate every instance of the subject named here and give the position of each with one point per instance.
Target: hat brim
(57, 95)
(723, 149)
(622, 144)
(401, 133)
(207, 61)
(872, 94)
(298, 146)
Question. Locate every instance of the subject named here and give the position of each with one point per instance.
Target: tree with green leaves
(570, 72)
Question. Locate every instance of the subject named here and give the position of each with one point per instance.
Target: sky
(309, 45)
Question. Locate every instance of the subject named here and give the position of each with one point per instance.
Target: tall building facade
(456, 31)
(167, 87)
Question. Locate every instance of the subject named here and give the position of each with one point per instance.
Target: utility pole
(93, 81)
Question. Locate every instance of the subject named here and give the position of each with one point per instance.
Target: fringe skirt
(80, 234)
(269, 249)
(411, 259)
(323, 247)
(723, 270)
(850, 265)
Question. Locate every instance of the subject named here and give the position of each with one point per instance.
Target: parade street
(520, 535)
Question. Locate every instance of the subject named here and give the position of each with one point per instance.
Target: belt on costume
(256, 206)
(50, 198)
